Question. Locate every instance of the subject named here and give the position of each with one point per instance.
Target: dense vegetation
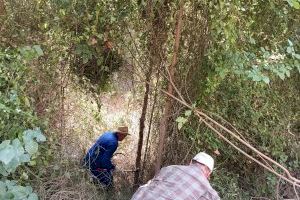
(238, 61)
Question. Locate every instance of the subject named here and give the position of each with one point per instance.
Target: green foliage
(17, 115)
(248, 42)
(249, 76)
(14, 153)
(247, 71)
(31, 146)
(95, 29)
(227, 185)
(294, 3)
(16, 112)
(261, 113)
(10, 190)
(182, 120)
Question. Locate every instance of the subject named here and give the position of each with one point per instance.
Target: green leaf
(3, 171)
(289, 50)
(31, 146)
(32, 163)
(297, 64)
(38, 50)
(10, 190)
(256, 78)
(36, 133)
(288, 74)
(33, 196)
(281, 75)
(188, 113)
(7, 153)
(297, 56)
(18, 147)
(2, 188)
(296, 4)
(266, 79)
(85, 60)
(39, 136)
(24, 158)
(252, 41)
(24, 176)
(181, 121)
(4, 144)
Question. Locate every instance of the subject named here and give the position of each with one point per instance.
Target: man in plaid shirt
(179, 182)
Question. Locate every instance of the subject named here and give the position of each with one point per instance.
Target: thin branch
(295, 189)
(291, 179)
(247, 155)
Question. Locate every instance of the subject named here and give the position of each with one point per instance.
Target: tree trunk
(156, 16)
(142, 127)
(166, 114)
(145, 105)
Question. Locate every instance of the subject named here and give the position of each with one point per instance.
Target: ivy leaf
(10, 190)
(2, 188)
(12, 165)
(7, 152)
(36, 133)
(24, 158)
(33, 196)
(31, 146)
(3, 172)
(18, 147)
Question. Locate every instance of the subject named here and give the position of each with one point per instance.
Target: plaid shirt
(177, 182)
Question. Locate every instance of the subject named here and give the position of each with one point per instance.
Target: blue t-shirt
(100, 154)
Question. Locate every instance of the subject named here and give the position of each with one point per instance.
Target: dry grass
(71, 181)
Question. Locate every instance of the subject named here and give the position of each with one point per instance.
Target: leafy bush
(16, 114)
(10, 190)
(19, 142)
(14, 153)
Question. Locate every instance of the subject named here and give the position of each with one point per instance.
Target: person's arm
(107, 156)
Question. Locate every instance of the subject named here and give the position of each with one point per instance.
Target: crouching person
(179, 182)
(98, 158)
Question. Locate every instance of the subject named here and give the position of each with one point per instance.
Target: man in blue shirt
(98, 158)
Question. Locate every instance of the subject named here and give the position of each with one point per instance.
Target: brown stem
(142, 127)
(171, 70)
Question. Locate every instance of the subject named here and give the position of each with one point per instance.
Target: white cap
(205, 159)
